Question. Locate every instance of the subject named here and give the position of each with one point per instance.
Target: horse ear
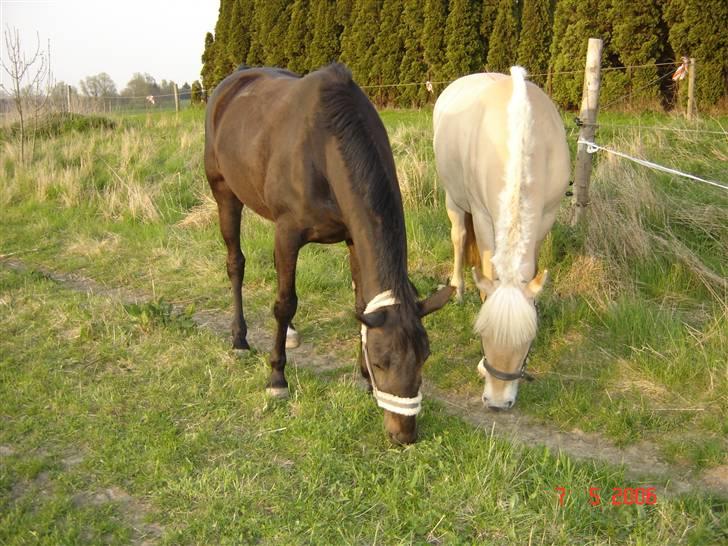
(372, 320)
(483, 283)
(435, 301)
(536, 285)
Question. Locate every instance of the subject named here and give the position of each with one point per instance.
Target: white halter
(389, 402)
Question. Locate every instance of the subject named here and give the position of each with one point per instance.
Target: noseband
(505, 376)
(389, 402)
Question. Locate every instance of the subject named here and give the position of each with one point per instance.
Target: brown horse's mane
(350, 117)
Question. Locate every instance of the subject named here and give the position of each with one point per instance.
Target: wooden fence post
(176, 98)
(691, 111)
(68, 99)
(588, 117)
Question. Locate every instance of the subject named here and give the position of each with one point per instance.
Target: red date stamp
(621, 496)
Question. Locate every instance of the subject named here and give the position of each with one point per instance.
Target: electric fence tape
(592, 147)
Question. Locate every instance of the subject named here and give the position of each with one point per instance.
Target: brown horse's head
(507, 327)
(395, 344)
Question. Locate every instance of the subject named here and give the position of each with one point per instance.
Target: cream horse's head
(506, 324)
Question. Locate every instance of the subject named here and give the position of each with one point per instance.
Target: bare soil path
(641, 461)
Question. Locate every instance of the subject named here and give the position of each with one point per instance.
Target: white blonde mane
(513, 227)
(507, 318)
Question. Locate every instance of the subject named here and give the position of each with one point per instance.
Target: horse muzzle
(402, 430)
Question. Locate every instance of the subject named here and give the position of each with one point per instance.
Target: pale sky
(162, 37)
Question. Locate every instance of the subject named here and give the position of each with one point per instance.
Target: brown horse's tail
(472, 256)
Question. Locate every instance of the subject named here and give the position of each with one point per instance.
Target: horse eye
(382, 364)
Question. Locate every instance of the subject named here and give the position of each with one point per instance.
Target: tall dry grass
(125, 173)
(638, 216)
(412, 149)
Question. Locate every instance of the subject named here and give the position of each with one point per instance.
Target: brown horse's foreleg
(230, 210)
(359, 303)
(287, 245)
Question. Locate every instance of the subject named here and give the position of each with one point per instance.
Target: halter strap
(504, 376)
(389, 402)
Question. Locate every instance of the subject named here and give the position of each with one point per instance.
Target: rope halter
(389, 402)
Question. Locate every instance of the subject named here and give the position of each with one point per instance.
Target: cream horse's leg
(484, 236)
(458, 235)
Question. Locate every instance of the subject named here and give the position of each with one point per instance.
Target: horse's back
(258, 127)
(471, 141)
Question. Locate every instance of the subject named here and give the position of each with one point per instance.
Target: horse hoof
(241, 345)
(293, 340)
(277, 392)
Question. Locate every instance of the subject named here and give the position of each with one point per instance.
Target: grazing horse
(311, 155)
(501, 154)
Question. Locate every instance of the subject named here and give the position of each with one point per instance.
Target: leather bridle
(390, 402)
(483, 365)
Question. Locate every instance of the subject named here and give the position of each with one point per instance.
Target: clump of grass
(160, 313)
(201, 215)
(412, 149)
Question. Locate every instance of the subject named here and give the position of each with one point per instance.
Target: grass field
(121, 426)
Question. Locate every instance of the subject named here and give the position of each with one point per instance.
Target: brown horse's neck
(375, 221)
(379, 267)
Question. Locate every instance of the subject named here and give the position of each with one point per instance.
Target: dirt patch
(641, 461)
(716, 477)
(134, 511)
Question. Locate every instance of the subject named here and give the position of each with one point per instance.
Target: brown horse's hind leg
(287, 245)
(230, 210)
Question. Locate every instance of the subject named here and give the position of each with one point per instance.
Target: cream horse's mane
(507, 317)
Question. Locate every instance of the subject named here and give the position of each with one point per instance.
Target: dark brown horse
(312, 155)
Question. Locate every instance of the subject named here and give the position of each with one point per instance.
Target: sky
(164, 38)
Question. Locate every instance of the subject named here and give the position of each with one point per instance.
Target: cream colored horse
(502, 157)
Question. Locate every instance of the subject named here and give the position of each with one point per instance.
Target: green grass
(633, 327)
(180, 432)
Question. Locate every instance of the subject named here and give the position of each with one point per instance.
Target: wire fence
(378, 93)
(166, 101)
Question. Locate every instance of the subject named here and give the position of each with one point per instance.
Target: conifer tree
(343, 12)
(433, 39)
(698, 29)
(325, 46)
(535, 38)
(388, 52)
(208, 63)
(463, 50)
(196, 93)
(358, 38)
(503, 44)
(574, 24)
(239, 32)
(223, 66)
(638, 37)
(487, 22)
(299, 36)
(413, 69)
(269, 26)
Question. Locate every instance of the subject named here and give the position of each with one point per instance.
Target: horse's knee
(458, 234)
(283, 310)
(235, 266)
